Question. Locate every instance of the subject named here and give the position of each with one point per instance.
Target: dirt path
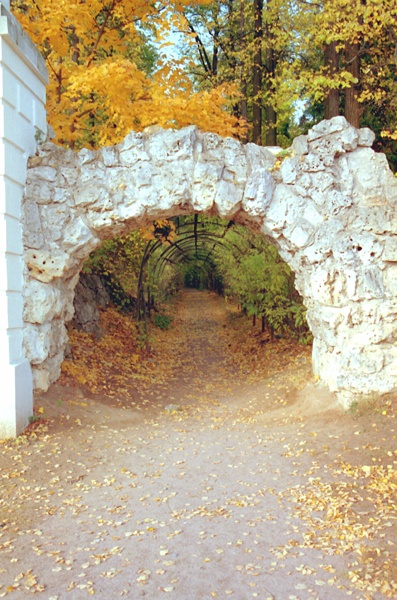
(207, 486)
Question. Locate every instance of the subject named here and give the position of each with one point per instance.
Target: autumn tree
(346, 58)
(103, 80)
(244, 43)
(242, 62)
(337, 57)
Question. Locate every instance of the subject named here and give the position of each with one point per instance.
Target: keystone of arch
(329, 207)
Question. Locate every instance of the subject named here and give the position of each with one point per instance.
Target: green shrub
(162, 321)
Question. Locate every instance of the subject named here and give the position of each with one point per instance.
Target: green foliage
(118, 295)
(298, 313)
(117, 262)
(196, 275)
(148, 267)
(120, 259)
(162, 321)
(284, 153)
(258, 279)
(165, 284)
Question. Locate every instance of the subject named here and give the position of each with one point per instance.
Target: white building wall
(23, 79)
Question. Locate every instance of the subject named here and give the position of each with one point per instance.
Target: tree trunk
(244, 91)
(271, 131)
(215, 54)
(271, 62)
(257, 74)
(352, 106)
(331, 101)
(271, 115)
(244, 110)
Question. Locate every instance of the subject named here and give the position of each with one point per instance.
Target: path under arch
(329, 207)
(235, 490)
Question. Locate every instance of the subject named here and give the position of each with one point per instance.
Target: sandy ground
(205, 487)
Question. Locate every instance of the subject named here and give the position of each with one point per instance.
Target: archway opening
(142, 276)
(327, 206)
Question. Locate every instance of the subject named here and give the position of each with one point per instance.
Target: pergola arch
(329, 208)
(188, 246)
(186, 237)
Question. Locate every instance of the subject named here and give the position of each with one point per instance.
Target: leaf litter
(244, 490)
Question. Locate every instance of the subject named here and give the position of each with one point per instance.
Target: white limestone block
(68, 176)
(43, 302)
(283, 208)
(100, 222)
(54, 218)
(336, 202)
(47, 264)
(32, 232)
(289, 170)
(258, 193)
(370, 283)
(41, 378)
(327, 127)
(312, 215)
(133, 140)
(374, 183)
(228, 197)
(42, 174)
(390, 249)
(313, 163)
(77, 235)
(259, 157)
(206, 179)
(90, 193)
(167, 145)
(390, 280)
(366, 137)
(300, 234)
(87, 156)
(300, 145)
(37, 342)
(110, 156)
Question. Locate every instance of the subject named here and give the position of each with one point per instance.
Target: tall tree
(247, 39)
(270, 73)
(357, 70)
(352, 93)
(257, 73)
(331, 99)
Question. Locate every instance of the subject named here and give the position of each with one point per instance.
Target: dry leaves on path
(193, 479)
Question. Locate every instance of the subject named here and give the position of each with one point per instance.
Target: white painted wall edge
(22, 44)
(18, 57)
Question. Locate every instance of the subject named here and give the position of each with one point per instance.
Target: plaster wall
(23, 79)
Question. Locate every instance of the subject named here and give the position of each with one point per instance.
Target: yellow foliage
(161, 229)
(367, 24)
(97, 93)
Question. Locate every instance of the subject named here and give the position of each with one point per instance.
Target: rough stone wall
(330, 209)
(89, 294)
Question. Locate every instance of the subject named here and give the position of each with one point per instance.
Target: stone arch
(329, 207)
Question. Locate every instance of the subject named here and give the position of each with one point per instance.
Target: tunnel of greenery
(146, 267)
